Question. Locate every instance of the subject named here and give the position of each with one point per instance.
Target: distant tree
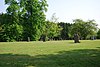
(52, 29)
(83, 28)
(65, 32)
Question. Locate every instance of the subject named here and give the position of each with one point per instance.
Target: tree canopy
(84, 28)
(24, 18)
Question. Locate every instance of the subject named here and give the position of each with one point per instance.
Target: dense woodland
(25, 20)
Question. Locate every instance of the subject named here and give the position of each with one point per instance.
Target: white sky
(67, 10)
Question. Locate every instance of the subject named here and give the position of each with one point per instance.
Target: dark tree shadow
(74, 58)
(98, 47)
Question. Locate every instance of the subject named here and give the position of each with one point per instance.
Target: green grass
(50, 54)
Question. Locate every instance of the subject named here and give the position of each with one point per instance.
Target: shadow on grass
(75, 58)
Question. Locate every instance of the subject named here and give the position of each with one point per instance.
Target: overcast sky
(67, 10)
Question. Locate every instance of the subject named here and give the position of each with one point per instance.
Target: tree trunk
(76, 38)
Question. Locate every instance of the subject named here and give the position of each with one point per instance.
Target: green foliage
(34, 17)
(12, 26)
(65, 32)
(1, 24)
(98, 34)
(24, 18)
(52, 29)
(83, 28)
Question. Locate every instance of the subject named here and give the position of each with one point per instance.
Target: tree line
(26, 20)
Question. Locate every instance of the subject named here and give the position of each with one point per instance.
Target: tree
(34, 17)
(53, 29)
(84, 29)
(27, 18)
(1, 24)
(13, 28)
(1, 27)
(76, 38)
(65, 32)
(98, 34)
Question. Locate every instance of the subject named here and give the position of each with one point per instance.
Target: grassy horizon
(50, 54)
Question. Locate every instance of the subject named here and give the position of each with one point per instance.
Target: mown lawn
(50, 54)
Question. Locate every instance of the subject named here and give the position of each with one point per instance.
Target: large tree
(27, 16)
(84, 28)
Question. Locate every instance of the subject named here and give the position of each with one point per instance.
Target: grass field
(50, 54)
